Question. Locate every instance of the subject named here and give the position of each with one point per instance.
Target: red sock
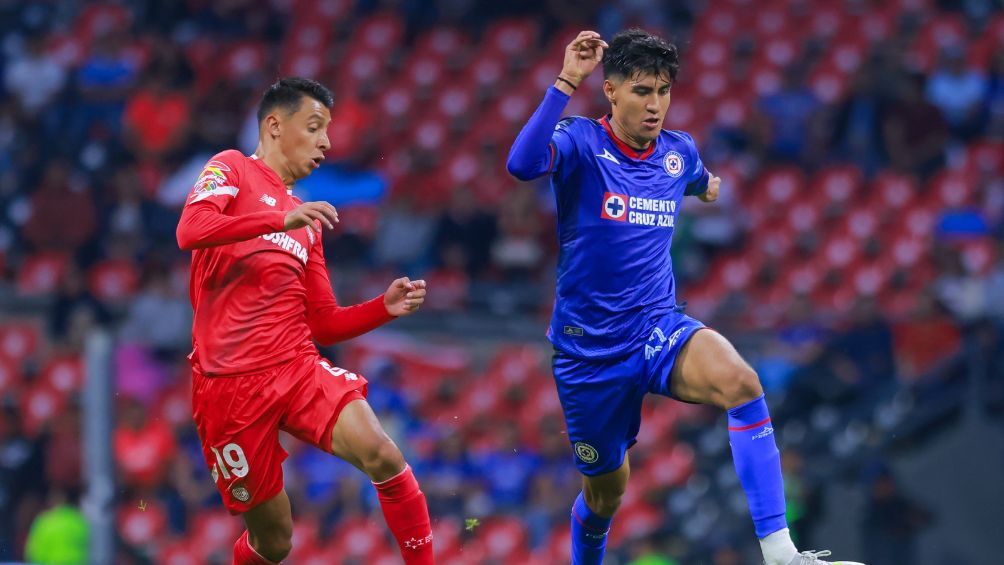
(407, 516)
(244, 554)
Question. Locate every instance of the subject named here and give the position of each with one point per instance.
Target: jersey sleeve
(330, 323)
(204, 222)
(533, 153)
(697, 174)
(563, 146)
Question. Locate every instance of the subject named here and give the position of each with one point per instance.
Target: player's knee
(742, 386)
(604, 501)
(383, 460)
(276, 544)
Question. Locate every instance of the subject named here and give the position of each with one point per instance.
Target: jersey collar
(626, 149)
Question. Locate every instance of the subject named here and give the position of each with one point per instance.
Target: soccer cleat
(813, 558)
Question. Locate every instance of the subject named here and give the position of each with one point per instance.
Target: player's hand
(308, 213)
(581, 57)
(710, 195)
(404, 296)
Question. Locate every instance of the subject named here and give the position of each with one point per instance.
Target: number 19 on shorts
(232, 461)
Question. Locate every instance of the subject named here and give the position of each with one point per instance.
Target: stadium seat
(10, 377)
(241, 59)
(442, 41)
(380, 33)
(141, 526)
(505, 539)
(939, 33)
(634, 522)
(18, 341)
(40, 274)
(359, 537)
(952, 189)
(113, 280)
(511, 36)
(215, 530)
(64, 373)
(180, 552)
(39, 404)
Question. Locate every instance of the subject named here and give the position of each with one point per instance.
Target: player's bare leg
(709, 370)
(593, 511)
(269, 536)
(358, 438)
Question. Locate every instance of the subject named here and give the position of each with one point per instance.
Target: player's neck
(275, 161)
(638, 145)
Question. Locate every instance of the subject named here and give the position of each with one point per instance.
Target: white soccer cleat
(813, 558)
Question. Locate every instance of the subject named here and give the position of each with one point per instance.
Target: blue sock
(589, 534)
(758, 464)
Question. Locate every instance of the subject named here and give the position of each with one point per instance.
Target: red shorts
(239, 418)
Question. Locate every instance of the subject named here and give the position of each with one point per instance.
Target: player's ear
(272, 126)
(609, 89)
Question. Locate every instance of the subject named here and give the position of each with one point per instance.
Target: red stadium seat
(893, 192)
(543, 74)
(712, 84)
(732, 112)
(424, 70)
(804, 276)
(431, 134)
(10, 377)
(64, 373)
(443, 41)
(825, 22)
(839, 184)
(242, 59)
(455, 100)
(978, 255)
(985, 156)
(100, 19)
(180, 552)
(908, 250)
(862, 223)
(919, 221)
(941, 32)
(634, 522)
(803, 216)
(314, 555)
(711, 53)
(18, 341)
(486, 76)
(446, 535)
(559, 544)
(141, 526)
(40, 274)
(952, 189)
(215, 530)
(511, 37)
(360, 65)
(113, 280)
(777, 52)
(840, 250)
(396, 102)
(505, 539)
(771, 21)
(828, 84)
(360, 537)
(380, 33)
(38, 406)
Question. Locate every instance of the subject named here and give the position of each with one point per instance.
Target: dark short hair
(287, 93)
(634, 51)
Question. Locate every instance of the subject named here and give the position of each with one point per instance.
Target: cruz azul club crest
(673, 163)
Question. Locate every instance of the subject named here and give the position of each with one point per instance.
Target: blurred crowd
(856, 256)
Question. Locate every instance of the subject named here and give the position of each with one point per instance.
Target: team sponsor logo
(766, 431)
(267, 200)
(288, 244)
(614, 207)
(586, 452)
(673, 163)
(639, 211)
(240, 493)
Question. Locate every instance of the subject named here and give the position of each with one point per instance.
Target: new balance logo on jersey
(606, 155)
(288, 244)
(267, 200)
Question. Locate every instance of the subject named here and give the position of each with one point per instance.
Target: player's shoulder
(676, 136)
(578, 124)
(229, 157)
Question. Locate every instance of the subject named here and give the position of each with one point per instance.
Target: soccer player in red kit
(261, 295)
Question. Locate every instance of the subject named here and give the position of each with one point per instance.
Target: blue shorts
(602, 398)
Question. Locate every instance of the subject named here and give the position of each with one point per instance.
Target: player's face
(639, 105)
(305, 137)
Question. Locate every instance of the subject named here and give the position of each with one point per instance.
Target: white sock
(777, 548)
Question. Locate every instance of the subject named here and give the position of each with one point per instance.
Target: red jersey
(259, 293)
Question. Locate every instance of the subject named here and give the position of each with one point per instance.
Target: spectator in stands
(158, 113)
(789, 114)
(857, 137)
(994, 102)
(914, 131)
(61, 194)
(102, 82)
(59, 535)
(958, 91)
(33, 77)
(74, 304)
(892, 522)
(960, 291)
(22, 479)
(159, 318)
(142, 447)
(464, 225)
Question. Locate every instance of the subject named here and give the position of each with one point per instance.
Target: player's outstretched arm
(204, 225)
(531, 155)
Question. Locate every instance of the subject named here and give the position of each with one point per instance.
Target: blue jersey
(617, 210)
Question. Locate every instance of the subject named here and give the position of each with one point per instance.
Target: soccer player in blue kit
(617, 330)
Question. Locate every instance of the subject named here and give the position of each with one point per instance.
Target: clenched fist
(711, 194)
(404, 296)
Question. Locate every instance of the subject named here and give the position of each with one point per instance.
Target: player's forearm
(204, 226)
(331, 323)
(530, 155)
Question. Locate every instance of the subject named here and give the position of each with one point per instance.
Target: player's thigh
(358, 438)
(709, 370)
(601, 401)
(664, 348)
(329, 411)
(271, 522)
(237, 419)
